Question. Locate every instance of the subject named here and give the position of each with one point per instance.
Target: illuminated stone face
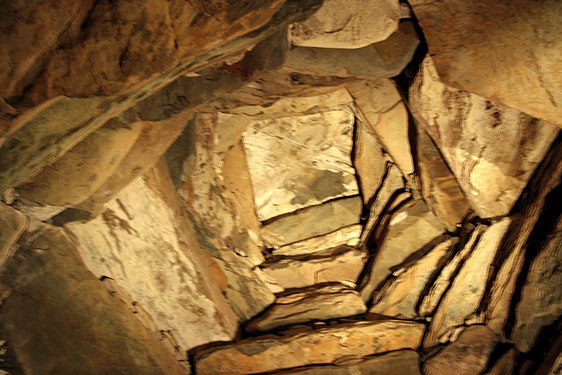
(300, 161)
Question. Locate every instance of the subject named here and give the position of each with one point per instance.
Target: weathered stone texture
(12, 225)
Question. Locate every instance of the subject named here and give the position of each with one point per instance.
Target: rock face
(321, 303)
(12, 225)
(53, 331)
(464, 125)
(138, 242)
(520, 71)
(322, 346)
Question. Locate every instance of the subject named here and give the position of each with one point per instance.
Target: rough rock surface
(350, 24)
(60, 319)
(12, 225)
(519, 69)
(410, 229)
(320, 303)
(139, 242)
(321, 346)
(467, 356)
(347, 236)
(472, 133)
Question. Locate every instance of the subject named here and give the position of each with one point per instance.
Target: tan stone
(370, 161)
(350, 24)
(400, 296)
(339, 265)
(409, 230)
(439, 187)
(468, 355)
(384, 59)
(295, 162)
(146, 247)
(60, 319)
(379, 105)
(472, 132)
(83, 169)
(541, 296)
(318, 303)
(519, 63)
(12, 225)
(400, 362)
(347, 236)
(312, 221)
(464, 296)
(321, 346)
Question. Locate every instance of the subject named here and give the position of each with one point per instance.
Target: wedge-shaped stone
(400, 296)
(384, 59)
(541, 297)
(472, 132)
(83, 169)
(400, 362)
(317, 303)
(12, 225)
(409, 230)
(439, 187)
(143, 241)
(520, 70)
(322, 346)
(370, 161)
(433, 297)
(348, 236)
(349, 24)
(60, 319)
(339, 265)
(296, 162)
(379, 105)
(392, 183)
(463, 298)
(468, 355)
(313, 221)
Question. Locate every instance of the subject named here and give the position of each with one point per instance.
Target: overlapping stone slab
(12, 225)
(321, 346)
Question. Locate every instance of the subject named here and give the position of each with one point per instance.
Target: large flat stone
(409, 230)
(349, 24)
(340, 265)
(464, 296)
(307, 157)
(399, 298)
(143, 242)
(322, 346)
(468, 355)
(400, 362)
(384, 59)
(348, 236)
(471, 133)
(59, 318)
(318, 303)
(518, 65)
(12, 225)
(312, 221)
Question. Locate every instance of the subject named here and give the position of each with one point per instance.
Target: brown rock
(439, 187)
(83, 169)
(60, 319)
(142, 243)
(321, 346)
(519, 69)
(370, 161)
(339, 265)
(400, 362)
(351, 24)
(400, 296)
(384, 59)
(505, 364)
(409, 230)
(12, 225)
(319, 303)
(464, 296)
(471, 133)
(467, 356)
